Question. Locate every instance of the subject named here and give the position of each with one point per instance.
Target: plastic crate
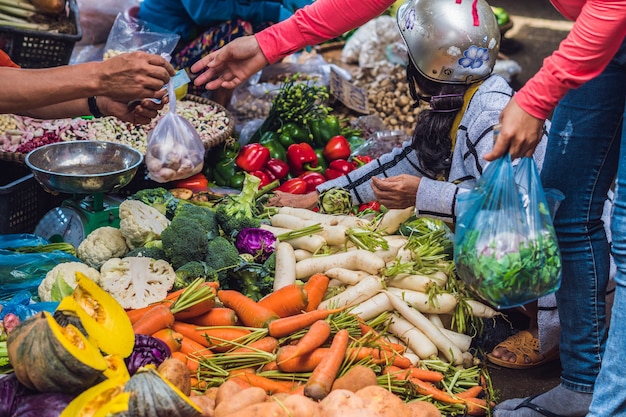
(39, 49)
(23, 201)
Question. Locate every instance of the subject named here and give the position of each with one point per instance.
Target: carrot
(286, 301)
(196, 309)
(315, 288)
(426, 388)
(321, 380)
(287, 325)
(192, 364)
(422, 374)
(171, 338)
(315, 337)
(266, 344)
(475, 406)
(158, 317)
(210, 337)
(303, 363)
(249, 312)
(369, 334)
(189, 346)
(270, 386)
(135, 314)
(270, 366)
(174, 295)
(217, 316)
(471, 392)
(381, 356)
(180, 356)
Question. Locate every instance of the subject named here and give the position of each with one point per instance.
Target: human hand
(396, 192)
(282, 199)
(230, 65)
(133, 75)
(294, 5)
(520, 133)
(139, 114)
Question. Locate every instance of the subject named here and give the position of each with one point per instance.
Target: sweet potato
(340, 403)
(226, 391)
(382, 401)
(176, 371)
(206, 404)
(264, 409)
(300, 406)
(422, 409)
(242, 399)
(355, 378)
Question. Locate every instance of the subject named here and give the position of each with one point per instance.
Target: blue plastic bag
(505, 244)
(20, 240)
(23, 306)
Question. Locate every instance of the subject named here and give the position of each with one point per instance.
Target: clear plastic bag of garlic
(175, 150)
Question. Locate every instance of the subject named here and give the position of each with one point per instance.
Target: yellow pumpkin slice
(107, 398)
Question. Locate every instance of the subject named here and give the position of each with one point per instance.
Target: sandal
(527, 403)
(525, 346)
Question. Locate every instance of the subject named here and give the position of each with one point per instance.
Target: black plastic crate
(39, 49)
(23, 201)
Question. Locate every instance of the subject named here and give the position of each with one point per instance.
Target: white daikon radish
(417, 282)
(311, 243)
(333, 234)
(438, 304)
(285, 270)
(372, 307)
(330, 219)
(355, 294)
(347, 276)
(301, 254)
(417, 341)
(358, 260)
(393, 219)
(481, 310)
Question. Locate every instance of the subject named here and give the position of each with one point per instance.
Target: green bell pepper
(296, 132)
(271, 141)
(321, 161)
(324, 129)
(225, 173)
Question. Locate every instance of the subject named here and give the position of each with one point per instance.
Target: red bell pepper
(337, 147)
(338, 168)
(265, 179)
(277, 167)
(252, 157)
(372, 205)
(294, 186)
(301, 157)
(197, 182)
(313, 179)
(361, 160)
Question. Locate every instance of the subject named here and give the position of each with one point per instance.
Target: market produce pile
(294, 312)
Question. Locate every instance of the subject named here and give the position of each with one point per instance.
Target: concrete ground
(537, 31)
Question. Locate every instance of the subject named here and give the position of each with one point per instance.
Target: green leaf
(60, 288)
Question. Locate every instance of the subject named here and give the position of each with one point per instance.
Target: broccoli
(159, 198)
(270, 262)
(203, 215)
(222, 255)
(187, 273)
(184, 240)
(252, 279)
(153, 252)
(238, 211)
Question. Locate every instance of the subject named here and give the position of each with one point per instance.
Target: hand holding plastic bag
(505, 244)
(175, 150)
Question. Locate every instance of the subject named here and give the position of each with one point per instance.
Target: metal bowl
(84, 167)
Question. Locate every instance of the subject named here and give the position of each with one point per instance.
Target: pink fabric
(598, 31)
(315, 23)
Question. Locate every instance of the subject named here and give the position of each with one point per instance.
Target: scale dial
(62, 224)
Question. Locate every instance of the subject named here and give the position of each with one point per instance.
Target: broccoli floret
(159, 198)
(203, 215)
(222, 255)
(252, 279)
(238, 211)
(187, 273)
(184, 240)
(148, 252)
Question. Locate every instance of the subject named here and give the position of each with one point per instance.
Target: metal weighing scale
(87, 170)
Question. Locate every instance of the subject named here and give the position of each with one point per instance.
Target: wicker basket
(39, 49)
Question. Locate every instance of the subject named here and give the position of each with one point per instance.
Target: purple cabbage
(147, 350)
(259, 243)
(18, 401)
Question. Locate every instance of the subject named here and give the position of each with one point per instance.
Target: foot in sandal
(521, 351)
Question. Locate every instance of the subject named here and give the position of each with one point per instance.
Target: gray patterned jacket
(474, 138)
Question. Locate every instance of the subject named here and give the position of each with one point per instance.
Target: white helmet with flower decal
(450, 41)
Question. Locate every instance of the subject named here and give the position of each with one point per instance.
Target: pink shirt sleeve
(594, 39)
(320, 21)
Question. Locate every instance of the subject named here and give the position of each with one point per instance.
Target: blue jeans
(582, 161)
(609, 397)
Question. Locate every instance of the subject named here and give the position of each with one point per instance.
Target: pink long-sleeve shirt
(598, 31)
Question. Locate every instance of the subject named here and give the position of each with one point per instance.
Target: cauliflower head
(101, 245)
(61, 280)
(136, 282)
(140, 223)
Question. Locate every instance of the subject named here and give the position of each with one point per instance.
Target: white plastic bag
(175, 150)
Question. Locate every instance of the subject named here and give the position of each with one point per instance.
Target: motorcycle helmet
(450, 41)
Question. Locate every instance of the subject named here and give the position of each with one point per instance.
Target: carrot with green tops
(287, 325)
(475, 406)
(192, 348)
(471, 392)
(135, 314)
(380, 356)
(286, 301)
(415, 372)
(321, 380)
(171, 338)
(158, 317)
(315, 288)
(370, 335)
(266, 344)
(180, 356)
(315, 337)
(271, 386)
(251, 313)
(215, 338)
(217, 316)
(302, 363)
(428, 389)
